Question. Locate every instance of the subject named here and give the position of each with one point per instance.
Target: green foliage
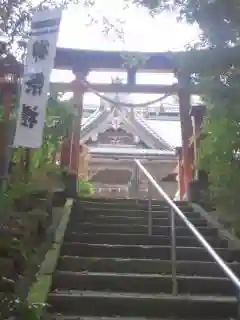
(13, 306)
(84, 188)
(23, 217)
(219, 151)
(58, 120)
(27, 311)
(58, 124)
(20, 189)
(219, 156)
(5, 203)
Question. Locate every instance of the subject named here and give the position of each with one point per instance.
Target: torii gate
(182, 64)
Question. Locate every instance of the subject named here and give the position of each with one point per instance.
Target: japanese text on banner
(41, 51)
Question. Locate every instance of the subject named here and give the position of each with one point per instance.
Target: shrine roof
(116, 153)
(129, 151)
(168, 130)
(163, 134)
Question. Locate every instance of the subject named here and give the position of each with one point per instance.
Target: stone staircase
(110, 268)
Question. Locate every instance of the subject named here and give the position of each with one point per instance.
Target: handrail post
(149, 209)
(173, 252)
(136, 181)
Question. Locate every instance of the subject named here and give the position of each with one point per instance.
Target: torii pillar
(181, 182)
(71, 145)
(186, 125)
(78, 94)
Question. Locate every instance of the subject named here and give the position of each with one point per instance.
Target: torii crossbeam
(182, 64)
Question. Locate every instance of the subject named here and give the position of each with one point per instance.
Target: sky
(141, 33)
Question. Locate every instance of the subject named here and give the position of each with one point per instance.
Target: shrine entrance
(182, 65)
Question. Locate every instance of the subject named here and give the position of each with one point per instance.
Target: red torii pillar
(71, 144)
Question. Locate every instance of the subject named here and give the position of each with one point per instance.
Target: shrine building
(113, 136)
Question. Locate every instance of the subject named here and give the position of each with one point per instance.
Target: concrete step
(137, 220)
(140, 239)
(101, 304)
(150, 252)
(144, 266)
(141, 283)
(136, 229)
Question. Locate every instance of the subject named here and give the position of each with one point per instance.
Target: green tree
(219, 21)
(219, 151)
(58, 124)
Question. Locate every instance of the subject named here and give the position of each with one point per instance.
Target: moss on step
(39, 291)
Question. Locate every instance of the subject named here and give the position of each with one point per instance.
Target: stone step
(101, 304)
(140, 239)
(136, 229)
(66, 317)
(129, 205)
(137, 220)
(119, 204)
(134, 212)
(141, 283)
(144, 266)
(113, 201)
(149, 252)
(109, 268)
(155, 215)
(129, 202)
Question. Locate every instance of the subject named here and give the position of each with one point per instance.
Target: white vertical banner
(41, 51)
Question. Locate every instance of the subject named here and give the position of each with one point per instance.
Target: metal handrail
(228, 272)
